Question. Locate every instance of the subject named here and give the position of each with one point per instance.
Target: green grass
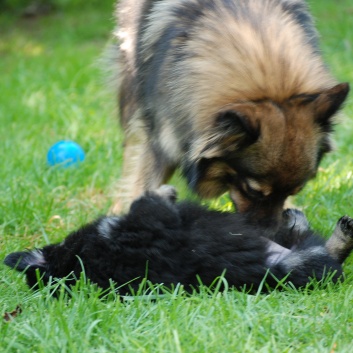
(51, 88)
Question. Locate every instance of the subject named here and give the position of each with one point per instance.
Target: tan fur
(274, 63)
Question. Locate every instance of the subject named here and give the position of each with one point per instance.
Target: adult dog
(233, 92)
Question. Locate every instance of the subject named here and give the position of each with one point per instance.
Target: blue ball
(65, 153)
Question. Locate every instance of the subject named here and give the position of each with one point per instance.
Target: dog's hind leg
(340, 244)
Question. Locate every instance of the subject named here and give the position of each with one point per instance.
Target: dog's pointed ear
(26, 260)
(233, 130)
(237, 125)
(328, 103)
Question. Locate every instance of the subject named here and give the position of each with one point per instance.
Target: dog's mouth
(242, 203)
(265, 212)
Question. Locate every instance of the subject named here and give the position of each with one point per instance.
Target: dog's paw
(346, 225)
(295, 220)
(167, 192)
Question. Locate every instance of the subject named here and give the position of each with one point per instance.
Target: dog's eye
(255, 189)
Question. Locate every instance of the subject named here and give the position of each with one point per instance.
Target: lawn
(52, 87)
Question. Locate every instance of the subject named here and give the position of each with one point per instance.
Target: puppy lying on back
(171, 243)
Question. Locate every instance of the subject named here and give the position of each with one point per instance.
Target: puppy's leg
(293, 229)
(302, 244)
(340, 243)
(300, 266)
(295, 220)
(155, 209)
(307, 255)
(167, 192)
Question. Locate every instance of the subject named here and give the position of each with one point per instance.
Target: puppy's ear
(26, 260)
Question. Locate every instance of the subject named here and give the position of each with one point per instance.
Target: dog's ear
(325, 104)
(236, 122)
(233, 129)
(329, 102)
(26, 260)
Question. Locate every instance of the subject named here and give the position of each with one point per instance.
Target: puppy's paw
(346, 225)
(167, 192)
(295, 220)
(340, 244)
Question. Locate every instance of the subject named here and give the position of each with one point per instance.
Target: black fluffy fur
(177, 243)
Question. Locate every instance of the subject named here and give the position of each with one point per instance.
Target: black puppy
(171, 243)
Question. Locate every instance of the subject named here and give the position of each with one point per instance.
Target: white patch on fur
(126, 41)
(36, 258)
(169, 142)
(106, 226)
(296, 259)
(276, 253)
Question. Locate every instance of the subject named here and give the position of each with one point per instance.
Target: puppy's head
(32, 263)
(263, 151)
(51, 261)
